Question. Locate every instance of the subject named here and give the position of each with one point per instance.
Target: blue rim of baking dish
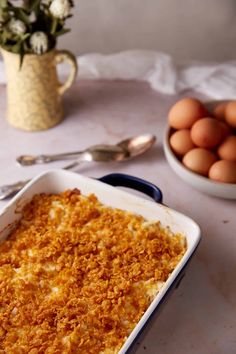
(123, 180)
(150, 189)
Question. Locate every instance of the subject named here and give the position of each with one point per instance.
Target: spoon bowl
(137, 145)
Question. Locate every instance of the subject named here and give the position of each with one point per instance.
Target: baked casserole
(76, 276)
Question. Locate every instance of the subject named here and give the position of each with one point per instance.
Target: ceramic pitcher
(34, 93)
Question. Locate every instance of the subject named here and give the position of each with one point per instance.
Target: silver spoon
(124, 150)
(93, 153)
(131, 147)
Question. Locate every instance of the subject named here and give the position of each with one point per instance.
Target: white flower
(39, 42)
(17, 26)
(60, 8)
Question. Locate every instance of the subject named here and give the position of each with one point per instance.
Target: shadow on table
(198, 318)
(153, 156)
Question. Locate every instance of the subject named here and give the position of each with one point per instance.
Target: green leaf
(21, 55)
(21, 15)
(33, 5)
(25, 36)
(62, 31)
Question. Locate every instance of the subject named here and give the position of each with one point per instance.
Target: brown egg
(219, 111)
(181, 142)
(223, 171)
(230, 114)
(225, 130)
(186, 112)
(206, 133)
(199, 160)
(227, 149)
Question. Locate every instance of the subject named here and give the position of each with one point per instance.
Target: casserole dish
(57, 181)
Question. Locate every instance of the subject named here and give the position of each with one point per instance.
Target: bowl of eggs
(200, 145)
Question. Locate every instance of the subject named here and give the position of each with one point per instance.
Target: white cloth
(216, 80)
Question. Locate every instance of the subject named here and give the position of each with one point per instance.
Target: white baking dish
(59, 180)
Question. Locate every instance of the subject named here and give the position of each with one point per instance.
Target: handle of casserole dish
(123, 180)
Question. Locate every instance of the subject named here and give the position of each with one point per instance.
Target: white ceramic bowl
(203, 184)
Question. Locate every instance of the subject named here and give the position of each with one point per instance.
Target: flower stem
(54, 25)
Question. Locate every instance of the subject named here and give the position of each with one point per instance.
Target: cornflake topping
(76, 276)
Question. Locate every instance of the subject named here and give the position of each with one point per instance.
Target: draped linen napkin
(216, 80)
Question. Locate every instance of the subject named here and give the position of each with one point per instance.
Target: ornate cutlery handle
(10, 190)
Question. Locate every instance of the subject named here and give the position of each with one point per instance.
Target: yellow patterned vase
(34, 93)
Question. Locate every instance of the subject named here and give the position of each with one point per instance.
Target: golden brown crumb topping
(76, 276)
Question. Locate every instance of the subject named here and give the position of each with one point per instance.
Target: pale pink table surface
(200, 317)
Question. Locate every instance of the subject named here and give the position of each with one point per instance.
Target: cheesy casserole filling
(76, 276)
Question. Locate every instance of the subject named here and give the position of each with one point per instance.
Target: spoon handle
(101, 152)
(28, 160)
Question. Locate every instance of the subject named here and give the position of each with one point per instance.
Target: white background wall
(186, 29)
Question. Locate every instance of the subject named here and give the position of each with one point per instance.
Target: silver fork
(9, 190)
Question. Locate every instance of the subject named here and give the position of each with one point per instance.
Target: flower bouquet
(32, 26)
(28, 39)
